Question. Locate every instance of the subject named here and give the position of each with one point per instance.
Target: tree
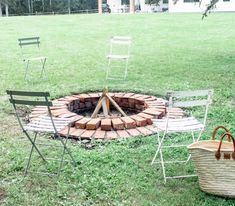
(0, 8)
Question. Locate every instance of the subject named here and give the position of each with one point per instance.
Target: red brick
(128, 95)
(144, 131)
(117, 124)
(71, 98)
(152, 128)
(87, 134)
(88, 104)
(59, 103)
(123, 134)
(58, 112)
(94, 95)
(67, 115)
(151, 98)
(83, 97)
(76, 118)
(147, 117)
(139, 107)
(76, 132)
(153, 112)
(128, 122)
(119, 94)
(81, 105)
(93, 123)
(140, 121)
(111, 135)
(133, 132)
(64, 131)
(131, 100)
(82, 123)
(131, 105)
(99, 134)
(106, 124)
(58, 107)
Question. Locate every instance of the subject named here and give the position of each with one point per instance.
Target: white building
(181, 6)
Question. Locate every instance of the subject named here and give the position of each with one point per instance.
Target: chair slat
(24, 93)
(122, 37)
(189, 93)
(29, 43)
(120, 42)
(33, 103)
(29, 38)
(191, 103)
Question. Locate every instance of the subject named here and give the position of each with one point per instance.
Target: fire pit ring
(78, 107)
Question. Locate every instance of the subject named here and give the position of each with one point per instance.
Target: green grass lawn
(169, 52)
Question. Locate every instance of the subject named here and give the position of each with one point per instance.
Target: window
(165, 1)
(226, 0)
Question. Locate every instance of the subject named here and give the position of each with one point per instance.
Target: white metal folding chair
(30, 51)
(118, 57)
(183, 99)
(41, 125)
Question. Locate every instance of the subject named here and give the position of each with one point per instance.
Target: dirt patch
(3, 194)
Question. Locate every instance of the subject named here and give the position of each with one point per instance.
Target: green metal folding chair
(30, 51)
(42, 125)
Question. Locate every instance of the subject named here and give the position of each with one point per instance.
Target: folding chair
(41, 125)
(184, 99)
(30, 51)
(118, 57)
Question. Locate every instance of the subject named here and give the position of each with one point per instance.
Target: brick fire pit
(140, 110)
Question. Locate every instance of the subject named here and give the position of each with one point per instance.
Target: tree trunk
(100, 6)
(132, 6)
(69, 8)
(43, 5)
(6, 9)
(29, 7)
(0, 8)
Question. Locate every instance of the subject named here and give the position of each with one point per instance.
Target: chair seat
(44, 124)
(112, 56)
(179, 125)
(35, 59)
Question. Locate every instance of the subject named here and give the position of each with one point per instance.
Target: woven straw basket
(215, 164)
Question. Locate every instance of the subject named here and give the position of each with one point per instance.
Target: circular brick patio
(141, 110)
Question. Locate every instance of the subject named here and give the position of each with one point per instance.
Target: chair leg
(199, 135)
(30, 155)
(26, 69)
(160, 141)
(43, 67)
(66, 148)
(34, 145)
(163, 166)
(108, 69)
(125, 74)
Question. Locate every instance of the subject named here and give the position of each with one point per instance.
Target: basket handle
(217, 153)
(215, 130)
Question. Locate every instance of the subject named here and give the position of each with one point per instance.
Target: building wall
(115, 5)
(182, 6)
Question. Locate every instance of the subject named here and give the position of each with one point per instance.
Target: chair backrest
(29, 41)
(30, 99)
(185, 99)
(190, 98)
(120, 45)
(30, 47)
